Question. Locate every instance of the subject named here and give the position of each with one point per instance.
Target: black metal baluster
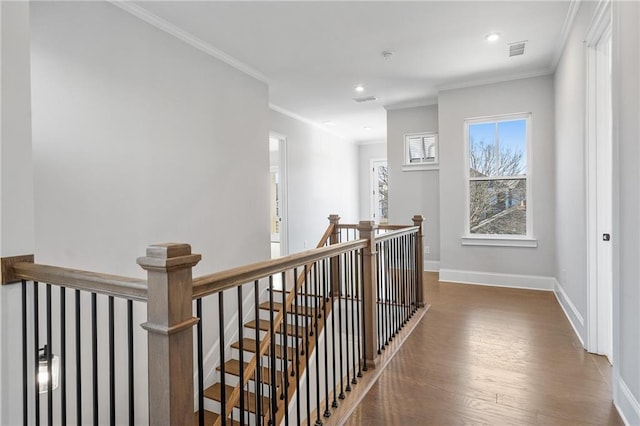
(387, 291)
(325, 265)
(347, 279)
(317, 316)
(241, 353)
(94, 355)
(297, 308)
(49, 354)
(307, 278)
(112, 365)
(332, 287)
(223, 394)
(362, 325)
(380, 277)
(200, 363)
(258, 372)
(25, 386)
(398, 275)
(340, 352)
(354, 275)
(130, 362)
(358, 295)
(274, 383)
(78, 363)
(285, 372)
(36, 343)
(63, 356)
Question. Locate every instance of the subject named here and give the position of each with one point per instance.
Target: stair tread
(264, 325)
(210, 418)
(277, 306)
(250, 346)
(233, 367)
(214, 392)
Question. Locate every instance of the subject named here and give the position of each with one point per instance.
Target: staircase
(306, 308)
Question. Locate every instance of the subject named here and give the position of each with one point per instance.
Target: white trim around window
(500, 240)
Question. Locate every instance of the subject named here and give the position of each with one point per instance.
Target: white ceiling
(313, 54)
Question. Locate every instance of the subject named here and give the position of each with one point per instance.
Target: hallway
(489, 355)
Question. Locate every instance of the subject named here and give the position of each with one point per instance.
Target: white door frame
(283, 189)
(599, 325)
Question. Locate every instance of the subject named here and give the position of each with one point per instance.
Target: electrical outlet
(427, 250)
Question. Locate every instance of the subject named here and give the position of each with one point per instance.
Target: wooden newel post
(169, 325)
(334, 220)
(421, 297)
(369, 277)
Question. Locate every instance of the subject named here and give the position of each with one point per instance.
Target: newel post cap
(418, 218)
(366, 225)
(169, 257)
(334, 218)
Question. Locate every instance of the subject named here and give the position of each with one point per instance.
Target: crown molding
(190, 39)
(574, 5)
(413, 103)
(494, 80)
(307, 121)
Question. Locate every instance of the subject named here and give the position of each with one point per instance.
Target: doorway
(278, 195)
(600, 188)
(379, 191)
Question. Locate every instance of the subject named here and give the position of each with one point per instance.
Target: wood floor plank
(490, 355)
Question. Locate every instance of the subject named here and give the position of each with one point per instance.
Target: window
(498, 195)
(421, 151)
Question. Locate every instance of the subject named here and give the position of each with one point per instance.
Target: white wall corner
(431, 265)
(571, 312)
(626, 403)
(528, 282)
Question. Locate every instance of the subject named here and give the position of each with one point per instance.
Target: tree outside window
(497, 161)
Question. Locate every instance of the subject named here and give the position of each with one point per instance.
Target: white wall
(414, 192)
(139, 138)
(626, 113)
(366, 153)
(322, 174)
(570, 201)
(16, 188)
(533, 95)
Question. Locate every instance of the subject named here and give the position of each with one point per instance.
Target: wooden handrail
(397, 233)
(224, 280)
(111, 285)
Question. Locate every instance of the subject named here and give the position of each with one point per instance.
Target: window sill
(499, 241)
(419, 167)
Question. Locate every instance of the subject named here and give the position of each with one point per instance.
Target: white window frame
(500, 240)
(426, 164)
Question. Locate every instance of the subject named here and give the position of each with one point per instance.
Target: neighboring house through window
(498, 187)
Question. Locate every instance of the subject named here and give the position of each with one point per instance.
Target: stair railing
(374, 279)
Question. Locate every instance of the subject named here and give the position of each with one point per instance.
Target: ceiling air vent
(517, 49)
(365, 99)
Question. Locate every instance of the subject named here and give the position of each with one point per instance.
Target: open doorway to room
(379, 191)
(600, 187)
(278, 193)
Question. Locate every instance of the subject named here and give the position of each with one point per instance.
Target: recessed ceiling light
(491, 37)
(359, 88)
(367, 127)
(328, 123)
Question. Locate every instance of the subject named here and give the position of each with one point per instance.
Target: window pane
(383, 191)
(429, 144)
(512, 143)
(498, 149)
(416, 153)
(498, 207)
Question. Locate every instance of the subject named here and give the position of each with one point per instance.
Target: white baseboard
(627, 405)
(570, 311)
(529, 282)
(431, 265)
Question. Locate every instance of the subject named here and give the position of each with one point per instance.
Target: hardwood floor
(488, 355)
